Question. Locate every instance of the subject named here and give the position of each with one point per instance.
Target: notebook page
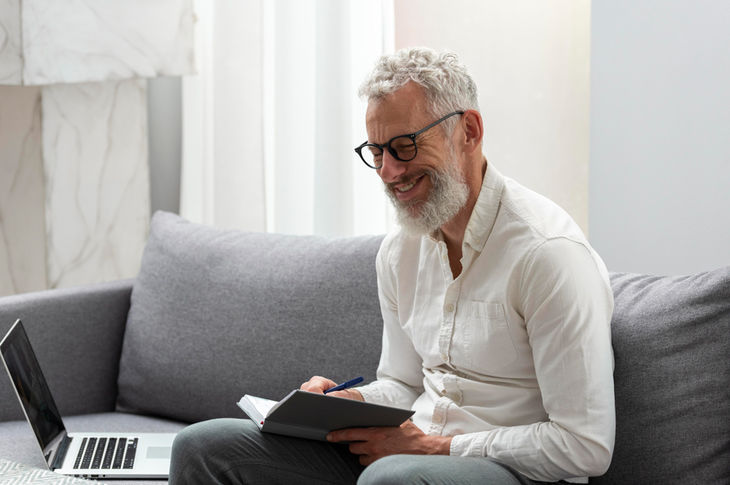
(263, 406)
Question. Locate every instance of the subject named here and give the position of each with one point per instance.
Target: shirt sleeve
(567, 303)
(399, 377)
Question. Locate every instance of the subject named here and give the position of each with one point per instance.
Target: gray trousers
(234, 451)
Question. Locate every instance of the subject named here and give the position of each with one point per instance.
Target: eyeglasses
(402, 147)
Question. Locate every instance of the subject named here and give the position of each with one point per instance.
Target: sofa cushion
(671, 339)
(216, 314)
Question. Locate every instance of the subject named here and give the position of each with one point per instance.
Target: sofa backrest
(216, 314)
(671, 340)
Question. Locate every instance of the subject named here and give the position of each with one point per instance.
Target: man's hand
(374, 443)
(320, 384)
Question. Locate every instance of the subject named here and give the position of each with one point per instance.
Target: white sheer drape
(270, 121)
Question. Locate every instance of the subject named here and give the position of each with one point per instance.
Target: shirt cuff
(371, 393)
(470, 444)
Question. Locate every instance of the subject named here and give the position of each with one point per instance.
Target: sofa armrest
(77, 335)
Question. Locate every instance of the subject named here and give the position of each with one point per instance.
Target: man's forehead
(396, 113)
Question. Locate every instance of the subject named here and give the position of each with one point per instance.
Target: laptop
(91, 455)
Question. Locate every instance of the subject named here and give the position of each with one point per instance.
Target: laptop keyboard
(106, 453)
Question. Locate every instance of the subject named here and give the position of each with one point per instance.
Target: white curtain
(271, 119)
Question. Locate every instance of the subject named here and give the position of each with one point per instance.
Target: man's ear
(473, 130)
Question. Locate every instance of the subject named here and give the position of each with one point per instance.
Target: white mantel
(74, 176)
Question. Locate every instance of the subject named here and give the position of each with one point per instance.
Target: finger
(366, 460)
(317, 384)
(357, 448)
(352, 434)
(335, 437)
(347, 394)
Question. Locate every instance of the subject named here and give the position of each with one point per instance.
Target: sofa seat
(19, 443)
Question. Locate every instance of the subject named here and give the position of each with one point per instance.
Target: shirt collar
(485, 210)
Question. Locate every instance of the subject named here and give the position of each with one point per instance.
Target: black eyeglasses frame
(411, 136)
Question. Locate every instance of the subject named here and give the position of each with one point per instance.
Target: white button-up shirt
(512, 358)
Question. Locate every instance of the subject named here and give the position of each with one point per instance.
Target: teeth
(406, 188)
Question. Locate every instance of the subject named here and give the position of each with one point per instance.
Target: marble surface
(11, 60)
(49, 42)
(74, 176)
(97, 180)
(81, 40)
(22, 226)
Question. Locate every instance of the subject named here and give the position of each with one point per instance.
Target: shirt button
(444, 357)
(449, 307)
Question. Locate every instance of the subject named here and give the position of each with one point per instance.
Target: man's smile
(405, 190)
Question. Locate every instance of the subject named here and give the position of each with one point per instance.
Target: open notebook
(308, 415)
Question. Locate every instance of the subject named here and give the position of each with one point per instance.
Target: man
(496, 318)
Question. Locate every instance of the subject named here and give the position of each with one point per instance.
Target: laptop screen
(31, 386)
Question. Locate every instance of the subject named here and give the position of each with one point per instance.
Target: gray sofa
(214, 314)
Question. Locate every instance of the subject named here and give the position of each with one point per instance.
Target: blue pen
(345, 385)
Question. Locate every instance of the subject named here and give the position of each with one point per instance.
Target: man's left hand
(374, 443)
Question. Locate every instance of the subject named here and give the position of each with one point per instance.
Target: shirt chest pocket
(487, 340)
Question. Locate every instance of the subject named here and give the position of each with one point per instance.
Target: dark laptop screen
(25, 372)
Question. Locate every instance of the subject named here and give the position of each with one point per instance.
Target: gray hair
(447, 84)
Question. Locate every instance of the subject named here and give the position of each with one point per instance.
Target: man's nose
(392, 168)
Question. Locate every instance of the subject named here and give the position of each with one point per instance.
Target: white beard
(449, 193)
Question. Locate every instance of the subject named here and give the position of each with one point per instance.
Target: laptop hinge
(61, 453)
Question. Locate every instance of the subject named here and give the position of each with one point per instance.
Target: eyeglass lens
(402, 148)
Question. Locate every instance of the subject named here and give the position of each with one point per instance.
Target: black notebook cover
(308, 415)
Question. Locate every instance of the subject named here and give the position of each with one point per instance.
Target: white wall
(530, 59)
(660, 134)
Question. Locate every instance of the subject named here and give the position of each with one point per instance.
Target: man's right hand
(319, 384)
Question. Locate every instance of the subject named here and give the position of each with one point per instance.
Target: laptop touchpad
(159, 452)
